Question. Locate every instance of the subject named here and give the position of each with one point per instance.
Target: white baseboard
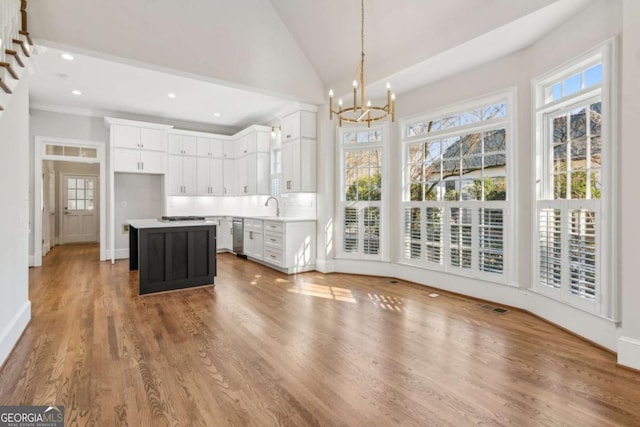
(629, 352)
(12, 332)
(325, 266)
(119, 254)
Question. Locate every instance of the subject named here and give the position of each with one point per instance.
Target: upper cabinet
(298, 137)
(210, 147)
(299, 124)
(182, 145)
(138, 147)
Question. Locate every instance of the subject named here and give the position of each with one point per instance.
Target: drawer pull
(273, 240)
(272, 256)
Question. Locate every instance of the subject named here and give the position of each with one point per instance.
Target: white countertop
(156, 223)
(278, 218)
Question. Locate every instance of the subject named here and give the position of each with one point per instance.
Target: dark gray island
(172, 255)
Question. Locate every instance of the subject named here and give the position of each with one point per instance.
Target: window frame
(606, 302)
(361, 205)
(507, 96)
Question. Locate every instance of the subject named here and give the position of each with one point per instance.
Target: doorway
(77, 171)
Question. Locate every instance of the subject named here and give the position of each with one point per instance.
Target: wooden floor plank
(262, 348)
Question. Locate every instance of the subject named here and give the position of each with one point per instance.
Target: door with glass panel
(80, 209)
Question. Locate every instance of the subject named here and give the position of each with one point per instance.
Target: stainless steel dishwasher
(238, 236)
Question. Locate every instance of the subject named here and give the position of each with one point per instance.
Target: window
(574, 158)
(80, 194)
(455, 189)
(361, 192)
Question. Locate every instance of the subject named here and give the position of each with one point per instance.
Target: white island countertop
(278, 218)
(156, 223)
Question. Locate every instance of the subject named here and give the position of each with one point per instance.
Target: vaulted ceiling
(296, 49)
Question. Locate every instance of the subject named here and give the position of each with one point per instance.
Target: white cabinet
(301, 124)
(138, 149)
(252, 172)
(229, 177)
(210, 147)
(182, 145)
(298, 136)
(253, 238)
(290, 245)
(139, 161)
(210, 177)
(181, 176)
(224, 234)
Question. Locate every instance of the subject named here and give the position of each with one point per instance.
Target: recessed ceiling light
(171, 95)
(216, 114)
(76, 92)
(67, 56)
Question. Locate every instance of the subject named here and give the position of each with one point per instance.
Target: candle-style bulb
(393, 96)
(331, 93)
(368, 103)
(388, 85)
(355, 83)
(340, 102)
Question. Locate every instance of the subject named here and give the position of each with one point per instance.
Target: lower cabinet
(253, 238)
(290, 245)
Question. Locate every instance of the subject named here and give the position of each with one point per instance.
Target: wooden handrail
(16, 56)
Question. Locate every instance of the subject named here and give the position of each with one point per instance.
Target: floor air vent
(498, 310)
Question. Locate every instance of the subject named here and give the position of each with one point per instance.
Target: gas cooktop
(181, 218)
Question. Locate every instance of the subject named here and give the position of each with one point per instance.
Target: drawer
(273, 239)
(254, 224)
(274, 226)
(273, 256)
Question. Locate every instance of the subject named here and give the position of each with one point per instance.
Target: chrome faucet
(277, 204)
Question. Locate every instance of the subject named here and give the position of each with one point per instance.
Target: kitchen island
(172, 255)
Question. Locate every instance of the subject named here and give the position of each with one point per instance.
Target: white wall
(15, 307)
(596, 24)
(137, 196)
(629, 345)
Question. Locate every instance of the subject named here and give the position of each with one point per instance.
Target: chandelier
(364, 112)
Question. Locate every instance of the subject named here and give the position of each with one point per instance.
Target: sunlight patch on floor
(385, 302)
(255, 280)
(323, 291)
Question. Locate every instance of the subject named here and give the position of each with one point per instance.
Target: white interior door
(80, 209)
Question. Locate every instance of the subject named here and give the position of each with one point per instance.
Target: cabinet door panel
(126, 136)
(174, 144)
(189, 145)
(153, 162)
(204, 178)
(189, 174)
(242, 189)
(229, 171)
(216, 179)
(126, 160)
(174, 176)
(153, 139)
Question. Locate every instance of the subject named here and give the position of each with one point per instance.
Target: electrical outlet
(125, 228)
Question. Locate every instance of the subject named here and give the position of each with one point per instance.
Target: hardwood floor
(262, 348)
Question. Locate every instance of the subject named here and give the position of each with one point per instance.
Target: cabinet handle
(225, 190)
(251, 235)
(138, 167)
(245, 151)
(288, 185)
(141, 145)
(273, 240)
(288, 136)
(272, 256)
(245, 188)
